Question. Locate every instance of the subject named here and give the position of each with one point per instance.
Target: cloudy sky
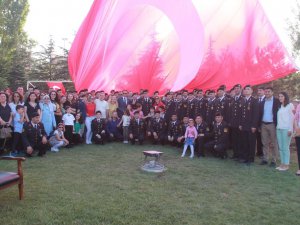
(62, 18)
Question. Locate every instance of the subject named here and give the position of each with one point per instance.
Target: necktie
(259, 99)
(35, 126)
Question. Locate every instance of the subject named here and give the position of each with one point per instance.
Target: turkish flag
(56, 86)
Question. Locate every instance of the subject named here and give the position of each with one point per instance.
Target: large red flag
(159, 45)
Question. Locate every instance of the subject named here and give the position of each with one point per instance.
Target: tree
(48, 65)
(13, 15)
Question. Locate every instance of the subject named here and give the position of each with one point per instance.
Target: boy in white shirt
(68, 120)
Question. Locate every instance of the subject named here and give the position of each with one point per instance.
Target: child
(68, 120)
(98, 128)
(58, 140)
(78, 129)
(190, 136)
(19, 119)
(125, 122)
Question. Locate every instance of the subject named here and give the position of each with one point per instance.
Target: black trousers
(17, 141)
(69, 133)
(99, 140)
(200, 150)
(236, 142)
(160, 139)
(140, 139)
(77, 139)
(259, 145)
(248, 146)
(40, 148)
(298, 149)
(218, 150)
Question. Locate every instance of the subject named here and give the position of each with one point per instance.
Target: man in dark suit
(248, 125)
(174, 130)
(123, 101)
(157, 129)
(180, 107)
(223, 104)
(137, 129)
(220, 136)
(191, 106)
(146, 102)
(268, 121)
(203, 131)
(99, 129)
(34, 136)
(201, 104)
(211, 108)
(260, 97)
(169, 107)
(234, 121)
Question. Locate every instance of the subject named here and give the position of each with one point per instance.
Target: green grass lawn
(104, 185)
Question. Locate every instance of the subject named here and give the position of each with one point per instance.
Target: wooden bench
(8, 179)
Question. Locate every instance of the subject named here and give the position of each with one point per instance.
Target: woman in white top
(284, 130)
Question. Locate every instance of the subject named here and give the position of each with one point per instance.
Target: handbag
(5, 132)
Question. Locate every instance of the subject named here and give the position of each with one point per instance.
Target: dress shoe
(263, 162)
(272, 164)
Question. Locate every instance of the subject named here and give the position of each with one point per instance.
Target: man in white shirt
(101, 104)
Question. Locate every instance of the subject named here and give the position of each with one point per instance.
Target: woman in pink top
(190, 136)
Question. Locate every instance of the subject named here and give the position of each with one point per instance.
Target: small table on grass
(153, 165)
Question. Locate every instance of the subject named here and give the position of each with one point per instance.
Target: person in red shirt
(90, 115)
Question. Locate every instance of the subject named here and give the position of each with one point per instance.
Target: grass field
(91, 185)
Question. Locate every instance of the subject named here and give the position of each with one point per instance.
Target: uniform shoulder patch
(225, 130)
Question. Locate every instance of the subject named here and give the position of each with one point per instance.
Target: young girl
(190, 136)
(78, 129)
(58, 139)
(125, 121)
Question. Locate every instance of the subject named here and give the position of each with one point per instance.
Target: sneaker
(54, 149)
(125, 142)
(13, 154)
(182, 156)
(283, 169)
(191, 157)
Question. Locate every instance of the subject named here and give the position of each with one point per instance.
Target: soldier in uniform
(184, 124)
(157, 129)
(191, 106)
(223, 104)
(203, 130)
(180, 106)
(146, 102)
(234, 121)
(169, 107)
(219, 144)
(98, 129)
(137, 129)
(174, 130)
(248, 125)
(34, 136)
(211, 108)
(201, 104)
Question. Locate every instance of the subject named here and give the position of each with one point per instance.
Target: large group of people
(211, 122)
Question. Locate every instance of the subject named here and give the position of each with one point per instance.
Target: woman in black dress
(32, 106)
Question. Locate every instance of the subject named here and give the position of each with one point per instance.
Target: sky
(62, 18)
